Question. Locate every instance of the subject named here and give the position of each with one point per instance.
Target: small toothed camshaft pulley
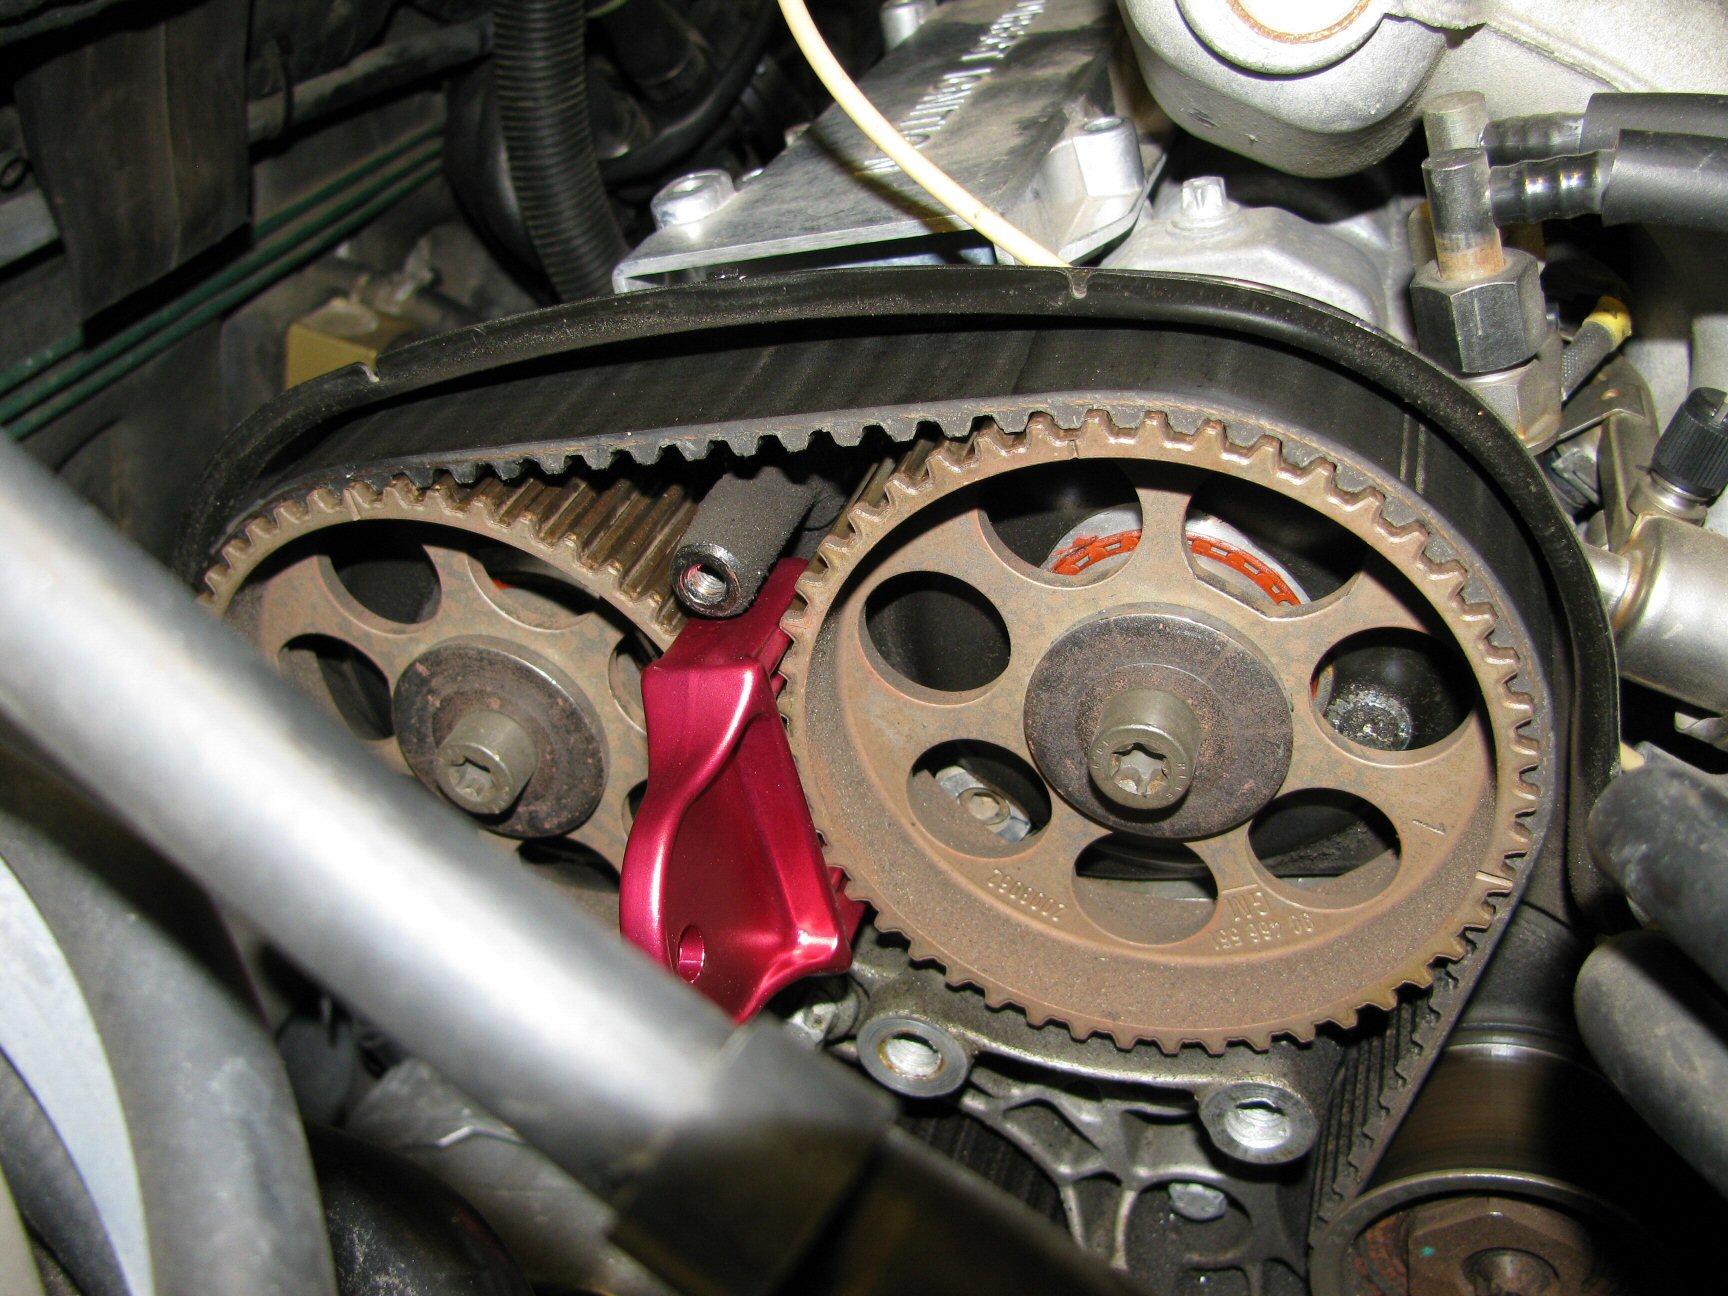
(486, 638)
(1179, 732)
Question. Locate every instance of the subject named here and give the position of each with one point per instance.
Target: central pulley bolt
(486, 762)
(1504, 1271)
(1142, 755)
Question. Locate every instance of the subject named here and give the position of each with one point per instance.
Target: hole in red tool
(691, 952)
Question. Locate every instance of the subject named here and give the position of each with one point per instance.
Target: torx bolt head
(1205, 204)
(486, 762)
(1142, 754)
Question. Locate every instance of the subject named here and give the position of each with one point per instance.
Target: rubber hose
(380, 71)
(226, 1177)
(1610, 115)
(657, 49)
(1517, 139)
(1647, 179)
(1679, 180)
(1529, 139)
(1555, 188)
(540, 49)
(394, 1228)
(1660, 1035)
(673, 139)
(1661, 832)
(51, 1196)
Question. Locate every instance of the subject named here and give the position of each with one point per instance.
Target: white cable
(989, 222)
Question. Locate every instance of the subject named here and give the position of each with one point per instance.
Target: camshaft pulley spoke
(1429, 795)
(1230, 859)
(307, 598)
(1297, 640)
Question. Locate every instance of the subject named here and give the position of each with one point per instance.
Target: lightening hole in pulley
(936, 631)
(338, 672)
(1394, 690)
(1151, 893)
(531, 590)
(978, 798)
(570, 863)
(1327, 844)
(385, 567)
(624, 674)
(633, 800)
(1077, 519)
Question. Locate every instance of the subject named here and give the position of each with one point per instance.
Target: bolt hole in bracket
(912, 1056)
(1258, 1123)
(724, 881)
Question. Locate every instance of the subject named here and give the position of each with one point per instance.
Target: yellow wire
(933, 179)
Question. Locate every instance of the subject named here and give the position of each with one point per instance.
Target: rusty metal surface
(610, 543)
(1496, 1245)
(1270, 958)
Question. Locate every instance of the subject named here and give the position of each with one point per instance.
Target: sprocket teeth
(959, 457)
(614, 544)
(1456, 950)
(1044, 428)
(1257, 1038)
(856, 890)
(901, 490)
(931, 470)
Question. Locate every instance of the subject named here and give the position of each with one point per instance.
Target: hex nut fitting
(1475, 1240)
(1483, 323)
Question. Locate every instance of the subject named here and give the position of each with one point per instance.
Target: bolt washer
(447, 682)
(1272, 959)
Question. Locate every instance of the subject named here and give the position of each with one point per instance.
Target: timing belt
(899, 353)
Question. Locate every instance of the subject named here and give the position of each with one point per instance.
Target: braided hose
(542, 74)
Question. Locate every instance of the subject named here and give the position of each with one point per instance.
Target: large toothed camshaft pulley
(1243, 752)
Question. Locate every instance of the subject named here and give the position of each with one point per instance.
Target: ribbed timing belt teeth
(1272, 960)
